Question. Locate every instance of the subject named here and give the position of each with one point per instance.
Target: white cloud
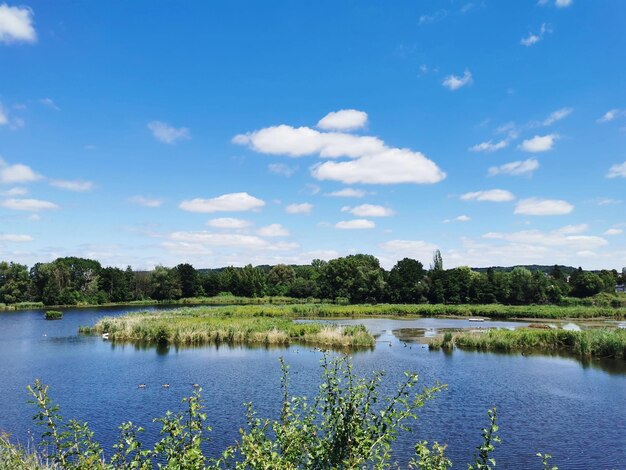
(375, 162)
(17, 191)
(563, 3)
(229, 223)
(146, 201)
(343, 120)
(16, 173)
(525, 167)
(303, 208)
(453, 82)
(555, 238)
(489, 146)
(538, 143)
(228, 240)
(389, 167)
(538, 206)
(303, 141)
(613, 231)
(15, 238)
(282, 169)
(77, 186)
(557, 116)
(348, 192)
(462, 218)
(416, 249)
(233, 202)
(434, 17)
(617, 170)
(16, 24)
(534, 38)
(369, 210)
(611, 115)
(31, 205)
(491, 195)
(572, 229)
(355, 224)
(49, 103)
(605, 201)
(167, 134)
(273, 230)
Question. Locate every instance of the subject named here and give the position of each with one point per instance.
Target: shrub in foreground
(347, 425)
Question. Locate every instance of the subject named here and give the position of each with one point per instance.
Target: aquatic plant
(53, 315)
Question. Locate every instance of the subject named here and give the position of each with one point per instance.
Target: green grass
(587, 343)
(53, 315)
(200, 326)
(399, 310)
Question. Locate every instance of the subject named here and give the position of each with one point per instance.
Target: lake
(575, 411)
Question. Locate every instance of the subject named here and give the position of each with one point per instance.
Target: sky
(226, 133)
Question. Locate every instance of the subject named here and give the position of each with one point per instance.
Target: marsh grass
(601, 343)
(200, 326)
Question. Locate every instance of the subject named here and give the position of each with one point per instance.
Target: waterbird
(195, 385)
(165, 385)
(142, 385)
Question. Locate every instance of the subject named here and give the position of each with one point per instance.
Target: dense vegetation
(53, 315)
(351, 279)
(603, 343)
(197, 326)
(347, 425)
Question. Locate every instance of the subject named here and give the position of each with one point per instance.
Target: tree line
(350, 279)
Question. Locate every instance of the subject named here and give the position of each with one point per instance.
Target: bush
(53, 315)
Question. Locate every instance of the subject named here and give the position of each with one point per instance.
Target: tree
(405, 281)
(14, 283)
(358, 278)
(165, 284)
(189, 282)
(586, 284)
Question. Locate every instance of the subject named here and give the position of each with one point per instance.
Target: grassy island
(242, 325)
(600, 343)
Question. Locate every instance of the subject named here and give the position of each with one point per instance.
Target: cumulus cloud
(614, 231)
(12, 192)
(282, 169)
(369, 210)
(539, 143)
(555, 238)
(273, 230)
(228, 240)
(229, 223)
(557, 116)
(460, 218)
(167, 134)
(348, 192)
(525, 167)
(416, 249)
(453, 82)
(16, 24)
(617, 171)
(491, 195)
(343, 120)
(30, 205)
(15, 238)
(355, 224)
(611, 115)
(146, 201)
(375, 163)
(534, 38)
(538, 206)
(389, 167)
(303, 208)
(16, 173)
(233, 202)
(489, 146)
(69, 185)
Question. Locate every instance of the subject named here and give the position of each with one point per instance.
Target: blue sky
(264, 132)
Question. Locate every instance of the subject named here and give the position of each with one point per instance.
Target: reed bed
(600, 343)
(198, 326)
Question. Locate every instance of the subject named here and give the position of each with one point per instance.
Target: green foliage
(53, 315)
(347, 425)
(585, 344)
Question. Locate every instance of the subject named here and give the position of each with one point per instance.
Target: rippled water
(575, 411)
